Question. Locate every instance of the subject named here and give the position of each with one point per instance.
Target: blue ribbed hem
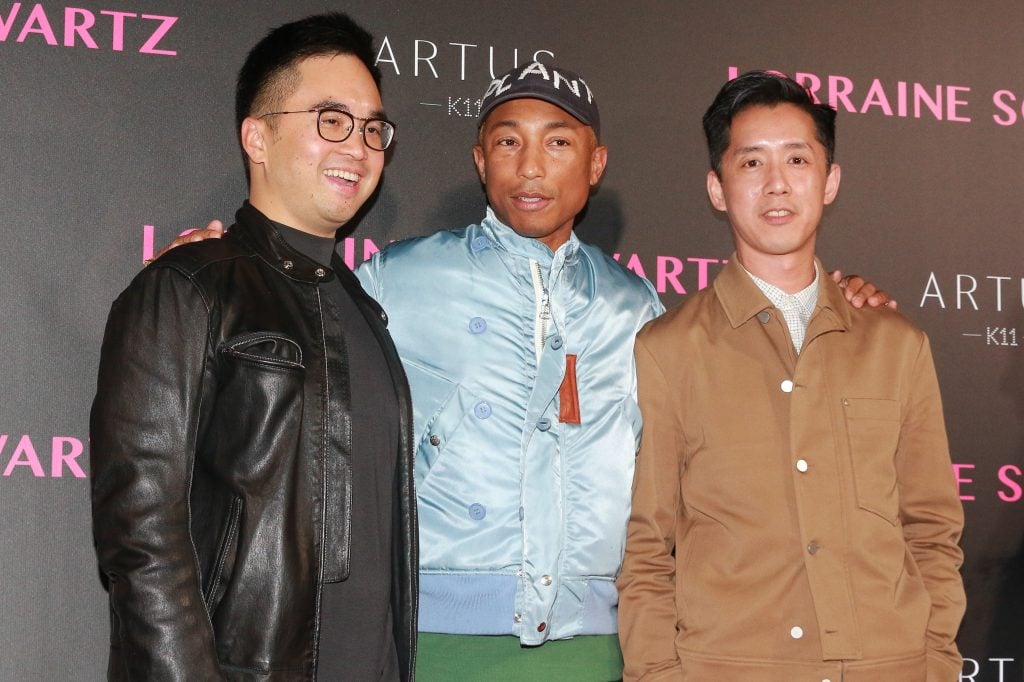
(484, 604)
(467, 604)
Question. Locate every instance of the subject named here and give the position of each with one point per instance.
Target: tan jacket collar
(742, 300)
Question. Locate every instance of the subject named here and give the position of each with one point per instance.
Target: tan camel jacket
(794, 517)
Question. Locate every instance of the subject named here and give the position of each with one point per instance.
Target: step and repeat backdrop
(117, 133)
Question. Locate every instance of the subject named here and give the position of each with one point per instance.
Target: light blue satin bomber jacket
(522, 516)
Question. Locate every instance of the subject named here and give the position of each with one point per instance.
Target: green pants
(471, 658)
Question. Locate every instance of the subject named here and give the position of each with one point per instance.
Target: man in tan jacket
(795, 516)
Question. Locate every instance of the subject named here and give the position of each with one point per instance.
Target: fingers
(877, 299)
(215, 230)
(200, 235)
(856, 290)
(881, 299)
(860, 292)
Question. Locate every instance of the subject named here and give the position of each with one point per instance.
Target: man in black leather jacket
(253, 503)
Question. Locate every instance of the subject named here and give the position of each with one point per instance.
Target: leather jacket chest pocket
(259, 405)
(873, 429)
(270, 349)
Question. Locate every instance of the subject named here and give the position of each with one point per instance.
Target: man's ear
(598, 162)
(254, 139)
(479, 160)
(715, 192)
(832, 183)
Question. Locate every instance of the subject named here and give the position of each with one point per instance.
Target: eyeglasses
(335, 125)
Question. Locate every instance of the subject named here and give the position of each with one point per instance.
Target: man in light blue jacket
(517, 340)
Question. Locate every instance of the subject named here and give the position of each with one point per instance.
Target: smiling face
(774, 186)
(300, 179)
(538, 164)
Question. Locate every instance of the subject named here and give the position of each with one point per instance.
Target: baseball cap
(561, 87)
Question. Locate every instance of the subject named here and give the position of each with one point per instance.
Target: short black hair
(763, 88)
(268, 75)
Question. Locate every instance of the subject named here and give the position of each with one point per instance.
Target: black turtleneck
(356, 634)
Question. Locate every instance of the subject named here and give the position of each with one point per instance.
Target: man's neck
(274, 211)
(789, 272)
(312, 246)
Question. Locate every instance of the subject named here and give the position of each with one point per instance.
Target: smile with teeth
(343, 175)
(777, 213)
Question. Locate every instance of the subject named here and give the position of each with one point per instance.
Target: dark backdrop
(117, 132)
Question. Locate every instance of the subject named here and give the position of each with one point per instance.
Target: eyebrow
(757, 147)
(334, 104)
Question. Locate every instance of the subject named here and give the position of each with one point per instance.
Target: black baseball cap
(561, 87)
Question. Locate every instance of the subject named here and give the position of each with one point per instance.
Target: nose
(530, 162)
(776, 180)
(354, 145)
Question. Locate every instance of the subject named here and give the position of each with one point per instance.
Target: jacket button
(556, 342)
(813, 548)
(517, 618)
(786, 386)
(801, 465)
(478, 325)
(764, 317)
(320, 272)
(480, 243)
(542, 627)
(545, 581)
(477, 511)
(796, 632)
(287, 265)
(482, 410)
(383, 317)
(543, 424)
(435, 440)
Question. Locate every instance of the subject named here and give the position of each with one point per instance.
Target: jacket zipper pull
(542, 315)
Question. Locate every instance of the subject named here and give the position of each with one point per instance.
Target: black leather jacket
(220, 443)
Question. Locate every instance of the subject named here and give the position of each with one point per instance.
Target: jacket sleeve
(369, 274)
(143, 434)
(647, 607)
(931, 514)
